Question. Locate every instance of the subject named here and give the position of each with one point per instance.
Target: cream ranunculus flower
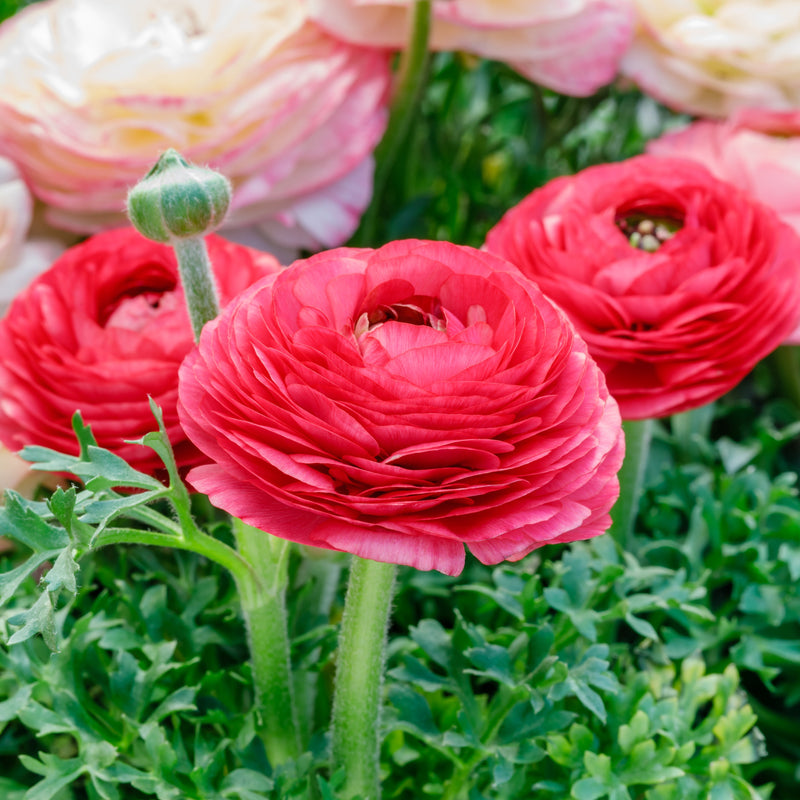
(94, 90)
(572, 46)
(21, 258)
(712, 58)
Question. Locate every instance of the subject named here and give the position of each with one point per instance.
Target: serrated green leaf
(434, 640)
(19, 522)
(39, 618)
(10, 708)
(62, 504)
(105, 470)
(414, 713)
(63, 574)
(57, 774)
(491, 661)
(10, 581)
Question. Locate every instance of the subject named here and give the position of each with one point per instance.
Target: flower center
(135, 306)
(416, 310)
(648, 230)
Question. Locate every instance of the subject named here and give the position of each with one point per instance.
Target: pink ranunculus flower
(101, 331)
(94, 90)
(756, 150)
(400, 404)
(712, 59)
(678, 282)
(573, 46)
(21, 258)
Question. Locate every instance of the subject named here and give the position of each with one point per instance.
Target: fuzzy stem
(359, 677)
(264, 607)
(411, 78)
(638, 434)
(197, 280)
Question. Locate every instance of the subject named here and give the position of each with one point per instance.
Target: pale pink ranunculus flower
(711, 59)
(94, 90)
(21, 258)
(756, 150)
(572, 46)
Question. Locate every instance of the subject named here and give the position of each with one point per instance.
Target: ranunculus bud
(178, 200)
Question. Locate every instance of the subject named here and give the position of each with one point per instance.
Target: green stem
(638, 434)
(410, 84)
(264, 606)
(785, 362)
(197, 280)
(359, 677)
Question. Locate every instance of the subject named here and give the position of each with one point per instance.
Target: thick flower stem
(359, 677)
(638, 434)
(197, 280)
(264, 605)
(410, 84)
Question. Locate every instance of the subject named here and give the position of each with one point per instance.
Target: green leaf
(18, 521)
(414, 713)
(39, 618)
(57, 774)
(63, 574)
(588, 789)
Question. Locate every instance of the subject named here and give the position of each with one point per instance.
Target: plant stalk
(411, 79)
(197, 280)
(263, 600)
(638, 434)
(359, 677)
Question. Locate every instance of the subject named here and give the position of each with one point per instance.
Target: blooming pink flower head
(102, 330)
(400, 404)
(94, 90)
(678, 282)
(572, 46)
(712, 58)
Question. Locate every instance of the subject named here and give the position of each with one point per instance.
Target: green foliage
(485, 138)
(667, 672)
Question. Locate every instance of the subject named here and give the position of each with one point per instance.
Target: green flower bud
(178, 200)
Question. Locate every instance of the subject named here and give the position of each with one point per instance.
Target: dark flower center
(142, 300)
(416, 310)
(647, 229)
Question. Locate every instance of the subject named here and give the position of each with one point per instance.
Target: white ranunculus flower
(94, 90)
(713, 58)
(572, 46)
(21, 258)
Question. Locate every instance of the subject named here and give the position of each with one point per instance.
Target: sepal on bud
(178, 200)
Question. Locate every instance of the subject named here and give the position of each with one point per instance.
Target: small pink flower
(94, 90)
(572, 46)
(104, 328)
(678, 282)
(400, 404)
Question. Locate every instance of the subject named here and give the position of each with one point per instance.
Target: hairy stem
(359, 677)
(264, 607)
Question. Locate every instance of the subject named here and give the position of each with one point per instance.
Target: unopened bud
(178, 200)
